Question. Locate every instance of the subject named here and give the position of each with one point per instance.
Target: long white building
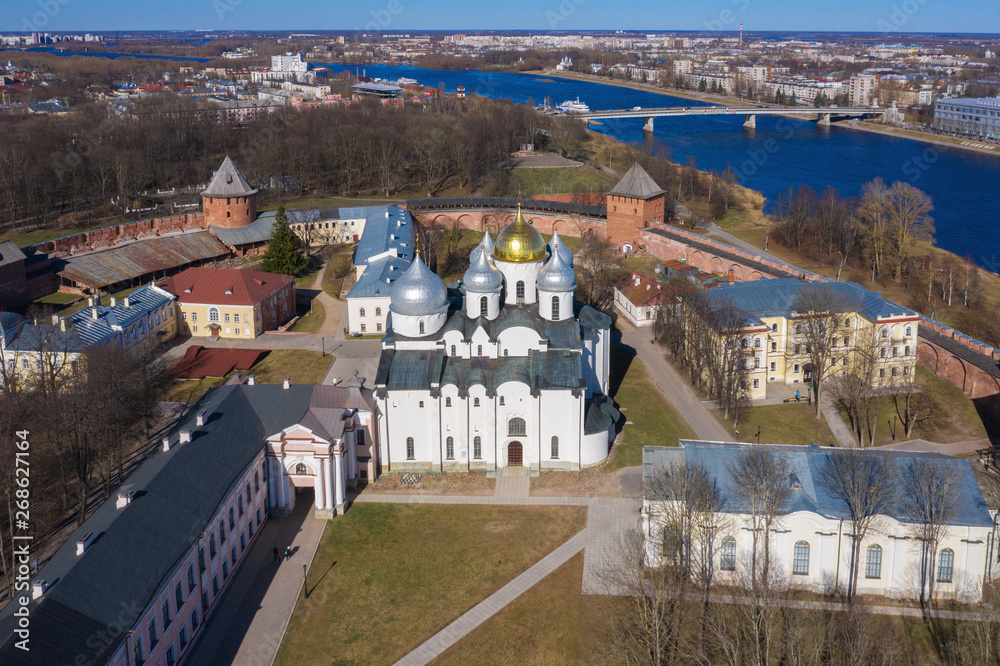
(504, 372)
(810, 543)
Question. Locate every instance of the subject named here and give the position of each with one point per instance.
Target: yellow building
(231, 303)
(775, 338)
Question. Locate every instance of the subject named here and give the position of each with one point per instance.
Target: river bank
(865, 126)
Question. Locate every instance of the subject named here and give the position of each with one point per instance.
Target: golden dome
(519, 242)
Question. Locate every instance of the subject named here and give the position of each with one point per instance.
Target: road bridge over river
(824, 115)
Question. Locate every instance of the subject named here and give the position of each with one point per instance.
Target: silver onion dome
(418, 291)
(482, 275)
(556, 274)
(556, 242)
(487, 243)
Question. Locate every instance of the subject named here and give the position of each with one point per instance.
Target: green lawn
(301, 366)
(387, 577)
(561, 180)
(58, 298)
(337, 269)
(553, 624)
(651, 420)
(781, 424)
(954, 418)
(312, 320)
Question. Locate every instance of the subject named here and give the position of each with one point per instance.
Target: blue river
(105, 54)
(964, 186)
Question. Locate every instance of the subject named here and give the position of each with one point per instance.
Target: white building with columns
(503, 371)
(330, 448)
(811, 542)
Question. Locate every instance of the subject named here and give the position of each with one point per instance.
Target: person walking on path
(288, 552)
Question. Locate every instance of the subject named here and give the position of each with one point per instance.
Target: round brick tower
(229, 201)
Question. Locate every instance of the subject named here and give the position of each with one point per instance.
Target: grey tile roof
(601, 415)
(115, 580)
(806, 463)
(10, 253)
(636, 183)
(112, 319)
(228, 181)
(777, 297)
(46, 337)
(258, 231)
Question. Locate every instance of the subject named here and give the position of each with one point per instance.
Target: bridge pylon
(823, 120)
(647, 124)
(750, 121)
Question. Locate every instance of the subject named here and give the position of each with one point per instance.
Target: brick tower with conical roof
(229, 201)
(632, 204)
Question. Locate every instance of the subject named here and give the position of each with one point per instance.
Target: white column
(320, 484)
(339, 489)
(328, 469)
(272, 487)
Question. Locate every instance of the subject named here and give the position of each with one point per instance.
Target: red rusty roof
(133, 260)
(641, 290)
(224, 286)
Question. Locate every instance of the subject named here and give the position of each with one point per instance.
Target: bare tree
(873, 218)
(600, 268)
(645, 627)
(909, 219)
(929, 504)
(855, 387)
(760, 489)
(818, 309)
(865, 482)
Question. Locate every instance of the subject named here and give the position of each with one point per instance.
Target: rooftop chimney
(90, 301)
(251, 380)
(38, 588)
(185, 437)
(286, 383)
(166, 444)
(93, 314)
(124, 301)
(83, 544)
(55, 319)
(114, 301)
(125, 496)
(200, 419)
(62, 324)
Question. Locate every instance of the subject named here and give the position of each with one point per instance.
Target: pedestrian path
(512, 483)
(249, 622)
(838, 427)
(489, 607)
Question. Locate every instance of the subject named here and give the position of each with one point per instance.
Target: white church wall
(413, 414)
(565, 299)
(519, 272)
(559, 416)
(517, 403)
(482, 423)
(898, 575)
(481, 345)
(517, 341)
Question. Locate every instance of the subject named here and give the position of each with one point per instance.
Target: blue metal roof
(112, 319)
(806, 463)
(258, 231)
(386, 228)
(378, 278)
(777, 297)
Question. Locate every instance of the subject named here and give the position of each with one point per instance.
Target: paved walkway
(512, 483)
(248, 624)
(841, 431)
(676, 388)
(486, 609)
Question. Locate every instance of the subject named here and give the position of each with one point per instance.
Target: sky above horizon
(391, 16)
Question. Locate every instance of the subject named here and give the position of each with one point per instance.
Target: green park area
(387, 577)
(301, 366)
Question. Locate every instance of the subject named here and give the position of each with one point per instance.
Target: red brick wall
(110, 236)
(567, 225)
(229, 212)
(626, 216)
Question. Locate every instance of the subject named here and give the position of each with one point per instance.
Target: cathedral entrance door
(515, 455)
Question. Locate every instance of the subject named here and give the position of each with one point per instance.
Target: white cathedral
(503, 370)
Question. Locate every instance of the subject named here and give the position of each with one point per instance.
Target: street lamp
(305, 580)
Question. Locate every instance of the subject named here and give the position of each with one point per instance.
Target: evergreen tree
(283, 254)
(702, 85)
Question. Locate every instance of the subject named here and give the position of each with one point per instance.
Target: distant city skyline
(880, 16)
